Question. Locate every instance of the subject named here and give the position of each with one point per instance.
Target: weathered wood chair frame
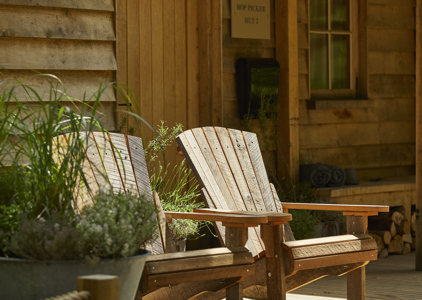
(229, 167)
(118, 161)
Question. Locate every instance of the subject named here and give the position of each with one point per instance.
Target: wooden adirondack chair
(229, 167)
(118, 160)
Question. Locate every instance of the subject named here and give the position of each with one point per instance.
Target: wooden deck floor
(390, 278)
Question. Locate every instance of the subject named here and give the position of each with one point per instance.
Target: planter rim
(2, 258)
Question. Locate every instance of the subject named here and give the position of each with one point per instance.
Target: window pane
(340, 61)
(340, 15)
(319, 61)
(319, 14)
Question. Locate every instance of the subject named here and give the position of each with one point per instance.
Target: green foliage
(178, 190)
(117, 224)
(41, 174)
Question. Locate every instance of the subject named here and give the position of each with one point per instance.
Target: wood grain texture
(61, 54)
(124, 162)
(38, 22)
(81, 85)
(107, 5)
(139, 164)
(418, 10)
(109, 161)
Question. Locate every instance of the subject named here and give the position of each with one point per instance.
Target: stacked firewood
(393, 232)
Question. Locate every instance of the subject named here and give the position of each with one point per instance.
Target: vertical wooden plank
(356, 278)
(252, 145)
(140, 168)
(146, 100)
(246, 165)
(94, 156)
(109, 161)
(214, 167)
(275, 270)
(217, 62)
(170, 36)
(180, 49)
(418, 264)
(192, 64)
(121, 51)
(363, 49)
(133, 55)
(124, 162)
(288, 116)
(204, 15)
(157, 61)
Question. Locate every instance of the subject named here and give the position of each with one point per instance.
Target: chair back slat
(124, 163)
(201, 170)
(235, 168)
(96, 164)
(139, 164)
(209, 148)
(109, 162)
(252, 144)
(247, 168)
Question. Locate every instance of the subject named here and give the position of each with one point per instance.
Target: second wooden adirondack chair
(118, 161)
(229, 167)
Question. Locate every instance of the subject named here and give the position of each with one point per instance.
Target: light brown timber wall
(157, 57)
(233, 49)
(74, 40)
(376, 136)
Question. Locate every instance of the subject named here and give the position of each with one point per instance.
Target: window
(333, 48)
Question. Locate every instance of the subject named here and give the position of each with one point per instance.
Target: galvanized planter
(33, 280)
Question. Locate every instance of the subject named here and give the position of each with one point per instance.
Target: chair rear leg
(356, 284)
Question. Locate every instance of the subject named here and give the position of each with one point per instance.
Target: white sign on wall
(251, 19)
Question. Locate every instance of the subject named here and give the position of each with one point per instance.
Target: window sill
(338, 103)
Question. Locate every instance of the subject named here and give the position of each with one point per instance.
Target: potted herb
(46, 240)
(177, 188)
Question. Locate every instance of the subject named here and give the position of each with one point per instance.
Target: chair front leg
(356, 278)
(272, 235)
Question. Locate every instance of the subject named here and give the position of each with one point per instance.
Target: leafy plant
(117, 224)
(178, 190)
(42, 174)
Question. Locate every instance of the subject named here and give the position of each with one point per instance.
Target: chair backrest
(117, 161)
(230, 169)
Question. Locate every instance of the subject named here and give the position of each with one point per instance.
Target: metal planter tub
(33, 280)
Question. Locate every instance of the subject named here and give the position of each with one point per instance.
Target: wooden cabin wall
(233, 49)
(158, 59)
(74, 40)
(376, 135)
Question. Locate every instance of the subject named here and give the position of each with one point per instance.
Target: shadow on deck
(390, 278)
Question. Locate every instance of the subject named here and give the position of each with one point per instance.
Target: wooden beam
(418, 264)
(288, 92)
(210, 62)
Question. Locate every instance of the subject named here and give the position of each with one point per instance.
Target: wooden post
(418, 264)
(235, 236)
(101, 287)
(288, 90)
(356, 278)
(210, 46)
(275, 273)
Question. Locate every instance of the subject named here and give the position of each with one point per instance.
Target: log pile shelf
(394, 231)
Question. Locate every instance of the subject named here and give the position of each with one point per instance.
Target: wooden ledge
(397, 184)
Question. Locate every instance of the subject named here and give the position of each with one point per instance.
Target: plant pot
(33, 280)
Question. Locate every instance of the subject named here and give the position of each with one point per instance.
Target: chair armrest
(272, 217)
(345, 208)
(231, 218)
